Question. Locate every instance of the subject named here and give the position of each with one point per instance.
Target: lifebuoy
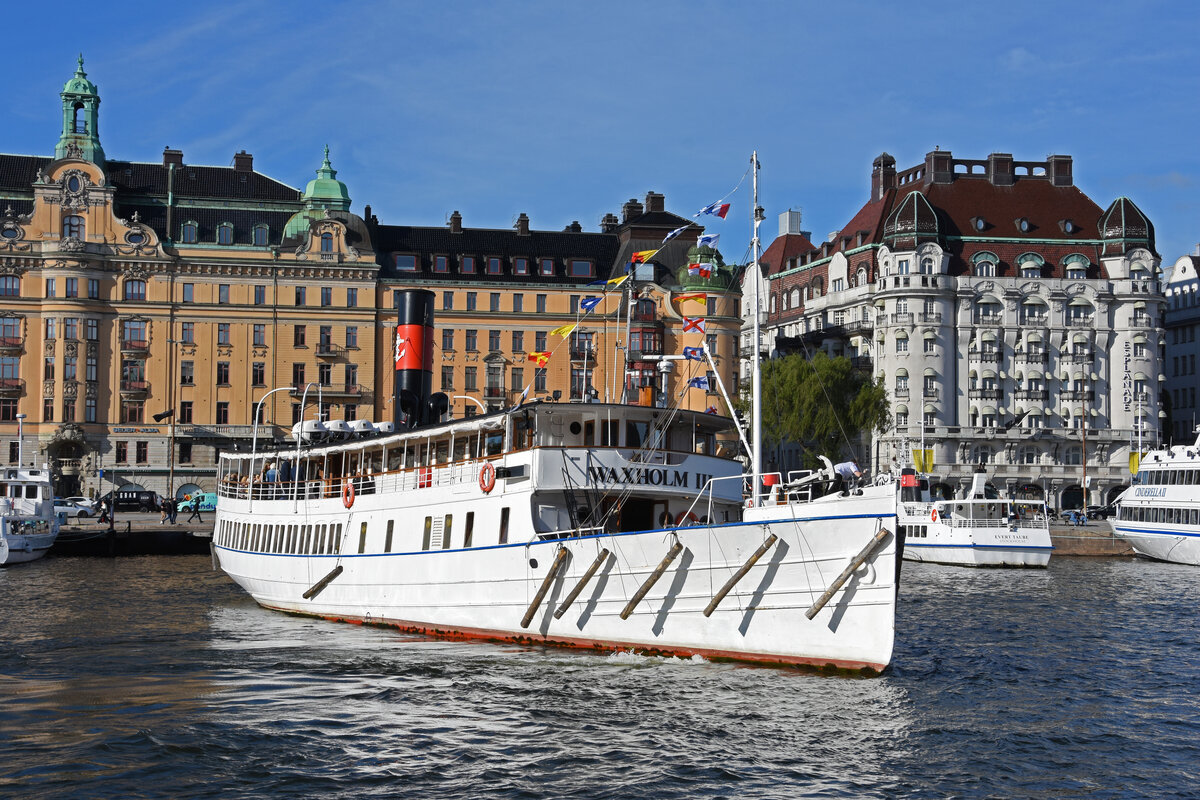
(686, 516)
(347, 493)
(487, 477)
(933, 514)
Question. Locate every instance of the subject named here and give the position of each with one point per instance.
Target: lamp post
(254, 438)
(20, 440)
(472, 399)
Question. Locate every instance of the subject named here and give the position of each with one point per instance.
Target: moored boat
(28, 526)
(973, 531)
(1159, 515)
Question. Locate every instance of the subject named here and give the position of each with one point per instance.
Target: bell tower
(81, 119)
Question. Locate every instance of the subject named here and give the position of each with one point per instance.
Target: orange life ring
(933, 514)
(347, 493)
(487, 477)
(686, 515)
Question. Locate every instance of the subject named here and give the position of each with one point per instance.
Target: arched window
(79, 124)
(795, 298)
(261, 235)
(326, 242)
(985, 269)
(135, 290)
(73, 227)
(861, 278)
(189, 233)
(225, 233)
(981, 454)
(927, 266)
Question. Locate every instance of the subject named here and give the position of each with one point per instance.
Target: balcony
(988, 319)
(984, 394)
(1031, 394)
(135, 387)
(11, 386)
(1033, 358)
(1077, 358)
(902, 318)
(1076, 396)
(987, 357)
(1035, 319)
(636, 354)
(862, 363)
(1081, 322)
(931, 393)
(1142, 321)
(931, 316)
(11, 344)
(134, 346)
(330, 350)
(1141, 397)
(493, 392)
(583, 353)
(901, 391)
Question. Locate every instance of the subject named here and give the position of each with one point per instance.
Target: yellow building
(149, 307)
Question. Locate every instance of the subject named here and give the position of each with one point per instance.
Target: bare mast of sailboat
(756, 218)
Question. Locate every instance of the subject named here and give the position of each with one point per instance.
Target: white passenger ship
(973, 531)
(28, 526)
(607, 527)
(1159, 515)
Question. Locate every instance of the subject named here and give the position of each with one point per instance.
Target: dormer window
(468, 265)
(1068, 226)
(493, 266)
(985, 269)
(261, 234)
(189, 233)
(1023, 225)
(979, 223)
(1030, 270)
(326, 242)
(225, 233)
(406, 263)
(548, 267)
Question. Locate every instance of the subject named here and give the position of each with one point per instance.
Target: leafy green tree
(821, 403)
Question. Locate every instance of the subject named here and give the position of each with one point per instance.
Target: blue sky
(564, 110)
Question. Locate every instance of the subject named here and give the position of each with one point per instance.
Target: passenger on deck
(846, 476)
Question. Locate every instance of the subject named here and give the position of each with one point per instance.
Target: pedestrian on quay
(103, 512)
(162, 512)
(196, 511)
(172, 509)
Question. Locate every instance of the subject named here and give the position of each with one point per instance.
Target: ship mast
(756, 218)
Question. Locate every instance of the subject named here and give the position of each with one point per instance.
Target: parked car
(1100, 512)
(140, 500)
(82, 502)
(206, 500)
(63, 509)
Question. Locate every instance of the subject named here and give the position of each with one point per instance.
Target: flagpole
(756, 376)
(628, 332)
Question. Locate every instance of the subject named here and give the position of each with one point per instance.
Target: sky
(565, 110)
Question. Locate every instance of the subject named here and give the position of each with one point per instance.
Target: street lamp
(254, 438)
(472, 399)
(20, 440)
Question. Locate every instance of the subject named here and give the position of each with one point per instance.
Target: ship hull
(1175, 546)
(486, 592)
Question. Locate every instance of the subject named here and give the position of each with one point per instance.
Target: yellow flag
(617, 281)
(642, 256)
(923, 459)
(1135, 461)
(564, 331)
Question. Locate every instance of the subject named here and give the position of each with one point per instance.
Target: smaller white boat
(1159, 515)
(974, 531)
(28, 526)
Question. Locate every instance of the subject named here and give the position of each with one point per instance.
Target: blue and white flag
(693, 353)
(699, 383)
(676, 232)
(588, 303)
(708, 240)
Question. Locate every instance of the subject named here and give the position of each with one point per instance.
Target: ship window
(635, 433)
(495, 443)
(428, 530)
(446, 532)
(308, 539)
(470, 529)
(337, 538)
(387, 539)
(362, 539)
(504, 525)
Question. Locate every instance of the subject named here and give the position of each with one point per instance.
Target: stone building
(1014, 322)
(149, 307)
(1181, 321)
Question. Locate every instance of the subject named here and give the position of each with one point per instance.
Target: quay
(134, 534)
(1095, 539)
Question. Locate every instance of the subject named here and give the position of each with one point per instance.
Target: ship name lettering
(639, 476)
(1151, 492)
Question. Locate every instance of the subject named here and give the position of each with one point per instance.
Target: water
(156, 677)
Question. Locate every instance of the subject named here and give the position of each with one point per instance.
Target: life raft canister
(347, 493)
(487, 477)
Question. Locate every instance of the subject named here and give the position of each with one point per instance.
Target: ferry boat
(973, 531)
(1159, 515)
(28, 526)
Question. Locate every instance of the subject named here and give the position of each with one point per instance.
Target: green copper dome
(325, 190)
(79, 83)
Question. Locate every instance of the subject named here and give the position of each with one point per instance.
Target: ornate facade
(1014, 322)
(148, 307)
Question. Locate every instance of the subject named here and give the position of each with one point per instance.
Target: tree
(823, 404)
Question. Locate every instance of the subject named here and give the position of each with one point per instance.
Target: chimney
(243, 162)
(1060, 171)
(1000, 169)
(609, 223)
(655, 202)
(172, 157)
(789, 221)
(456, 222)
(939, 167)
(630, 210)
(522, 225)
(574, 227)
(883, 176)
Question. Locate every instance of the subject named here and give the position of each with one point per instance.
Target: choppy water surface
(156, 677)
